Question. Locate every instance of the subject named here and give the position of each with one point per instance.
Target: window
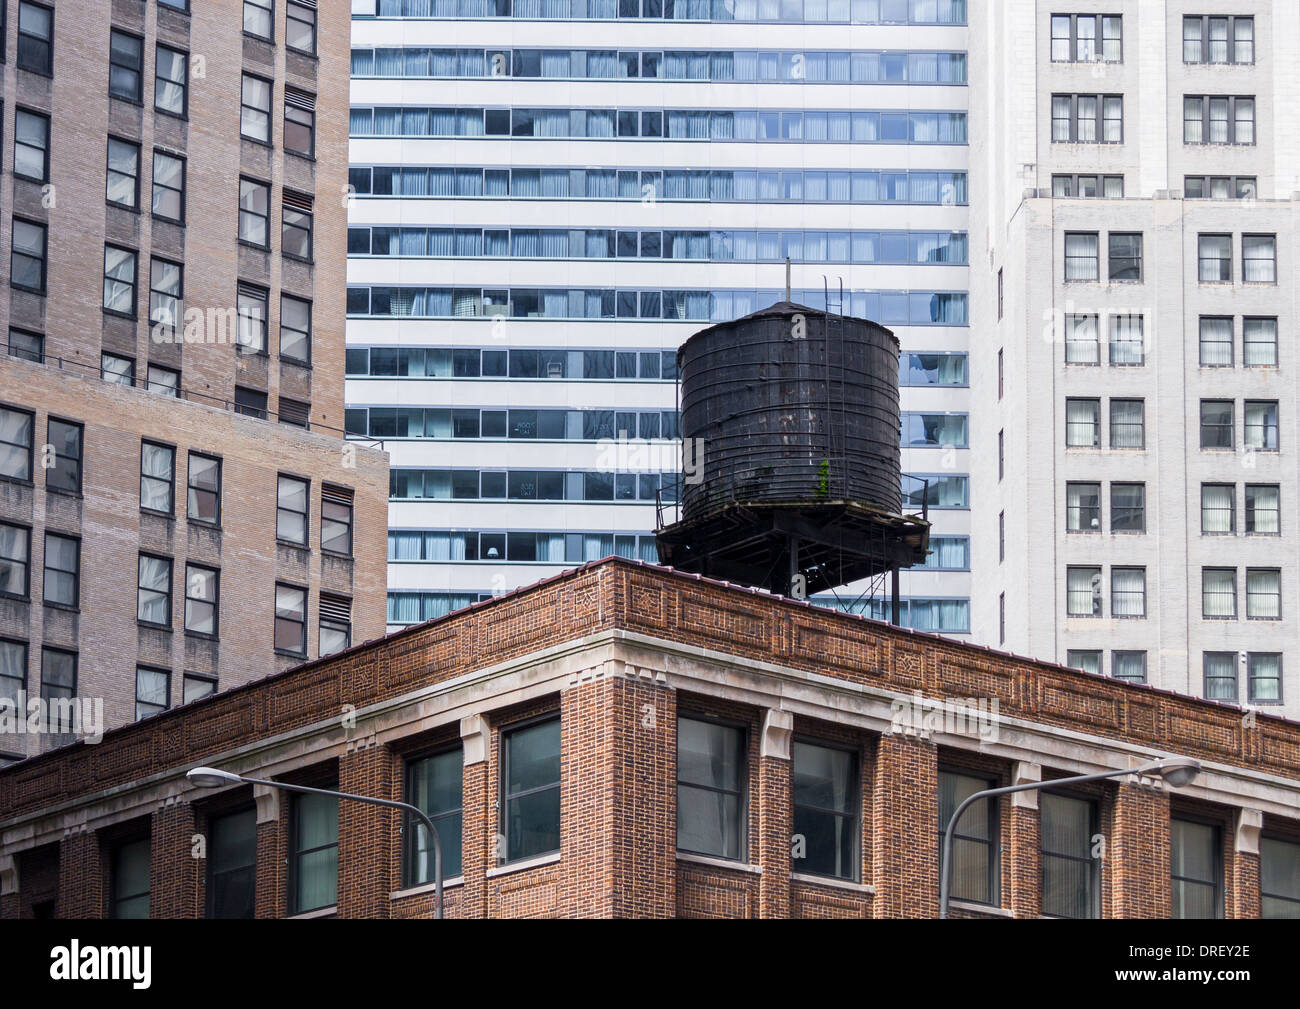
(180, 5)
(1002, 373)
(1218, 39)
(1261, 425)
(1279, 878)
(125, 66)
(250, 402)
(1216, 423)
(1220, 187)
(65, 474)
(1217, 341)
(826, 810)
(15, 556)
(1263, 594)
(434, 785)
(1129, 666)
(171, 81)
(168, 187)
(1002, 457)
(1219, 119)
(27, 257)
(711, 789)
(252, 305)
(295, 329)
(1083, 591)
(1000, 293)
(1215, 255)
(1081, 345)
(335, 624)
(290, 619)
(27, 347)
(31, 145)
(1083, 507)
(163, 381)
(1084, 38)
(204, 482)
(62, 568)
(1128, 507)
(295, 239)
(58, 680)
(195, 687)
(1196, 869)
(1128, 592)
(1002, 618)
(1220, 669)
(154, 596)
(975, 865)
(165, 292)
(1219, 593)
(232, 864)
(157, 476)
(255, 109)
(300, 27)
(1002, 536)
(1259, 338)
(1082, 423)
(1068, 827)
(1108, 187)
(255, 213)
(336, 520)
(1089, 660)
(117, 370)
(1125, 257)
(1127, 423)
(315, 865)
(201, 595)
(291, 510)
(530, 789)
(1264, 677)
(1126, 343)
(1081, 261)
(119, 280)
(15, 444)
(152, 691)
(36, 38)
(1259, 259)
(299, 122)
(13, 670)
(1218, 508)
(1263, 508)
(259, 18)
(130, 876)
(294, 412)
(1087, 119)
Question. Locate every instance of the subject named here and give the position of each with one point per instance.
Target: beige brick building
(171, 400)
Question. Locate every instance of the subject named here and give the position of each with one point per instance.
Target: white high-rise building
(551, 195)
(1134, 177)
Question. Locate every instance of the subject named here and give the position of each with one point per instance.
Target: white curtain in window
(1260, 342)
(1217, 502)
(1128, 592)
(1219, 593)
(1263, 599)
(1081, 257)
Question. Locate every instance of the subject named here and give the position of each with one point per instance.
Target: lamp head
(1178, 771)
(211, 777)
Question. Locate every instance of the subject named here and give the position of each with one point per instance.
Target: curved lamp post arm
(391, 804)
(945, 860)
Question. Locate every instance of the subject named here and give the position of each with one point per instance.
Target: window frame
(156, 186)
(26, 534)
(507, 734)
(305, 514)
(1094, 867)
(44, 257)
(183, 83)
(993, 842)
(307, 334)
(245, 108)
(116, 897)
(1216, 850)
(1111, 257)
(1100, 121)
(133, 286)
(48, 685)
(191, 489)
(211, 873)
(75, 604)
(1251, 695)
(214, 602)
(290, 7)
(1230, 40)
(252, 185)
(31, 443)
(170, 510)
(1205, 594)
(45, 149)
(268, 6)
(46, 69)
(1099, 20)
(743, 795)
(411, 832)
(1232, 121)
(1256, 595)
(278, 619)
(294, 871)
(166, 674)
(854, 804)
(137, 97)
(79, 460)
(165, 594)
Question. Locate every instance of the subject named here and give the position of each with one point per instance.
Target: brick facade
(620, 650)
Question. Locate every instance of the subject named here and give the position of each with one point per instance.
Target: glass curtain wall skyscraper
(549, 196)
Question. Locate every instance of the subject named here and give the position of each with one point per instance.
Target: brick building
(623, 740)
(171, 392)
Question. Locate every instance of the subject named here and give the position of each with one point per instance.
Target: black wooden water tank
(793, 406)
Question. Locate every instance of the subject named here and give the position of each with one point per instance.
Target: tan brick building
(174, 231)
(626, 741)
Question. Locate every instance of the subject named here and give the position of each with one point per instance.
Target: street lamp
(1175, 771)
(211, 777)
